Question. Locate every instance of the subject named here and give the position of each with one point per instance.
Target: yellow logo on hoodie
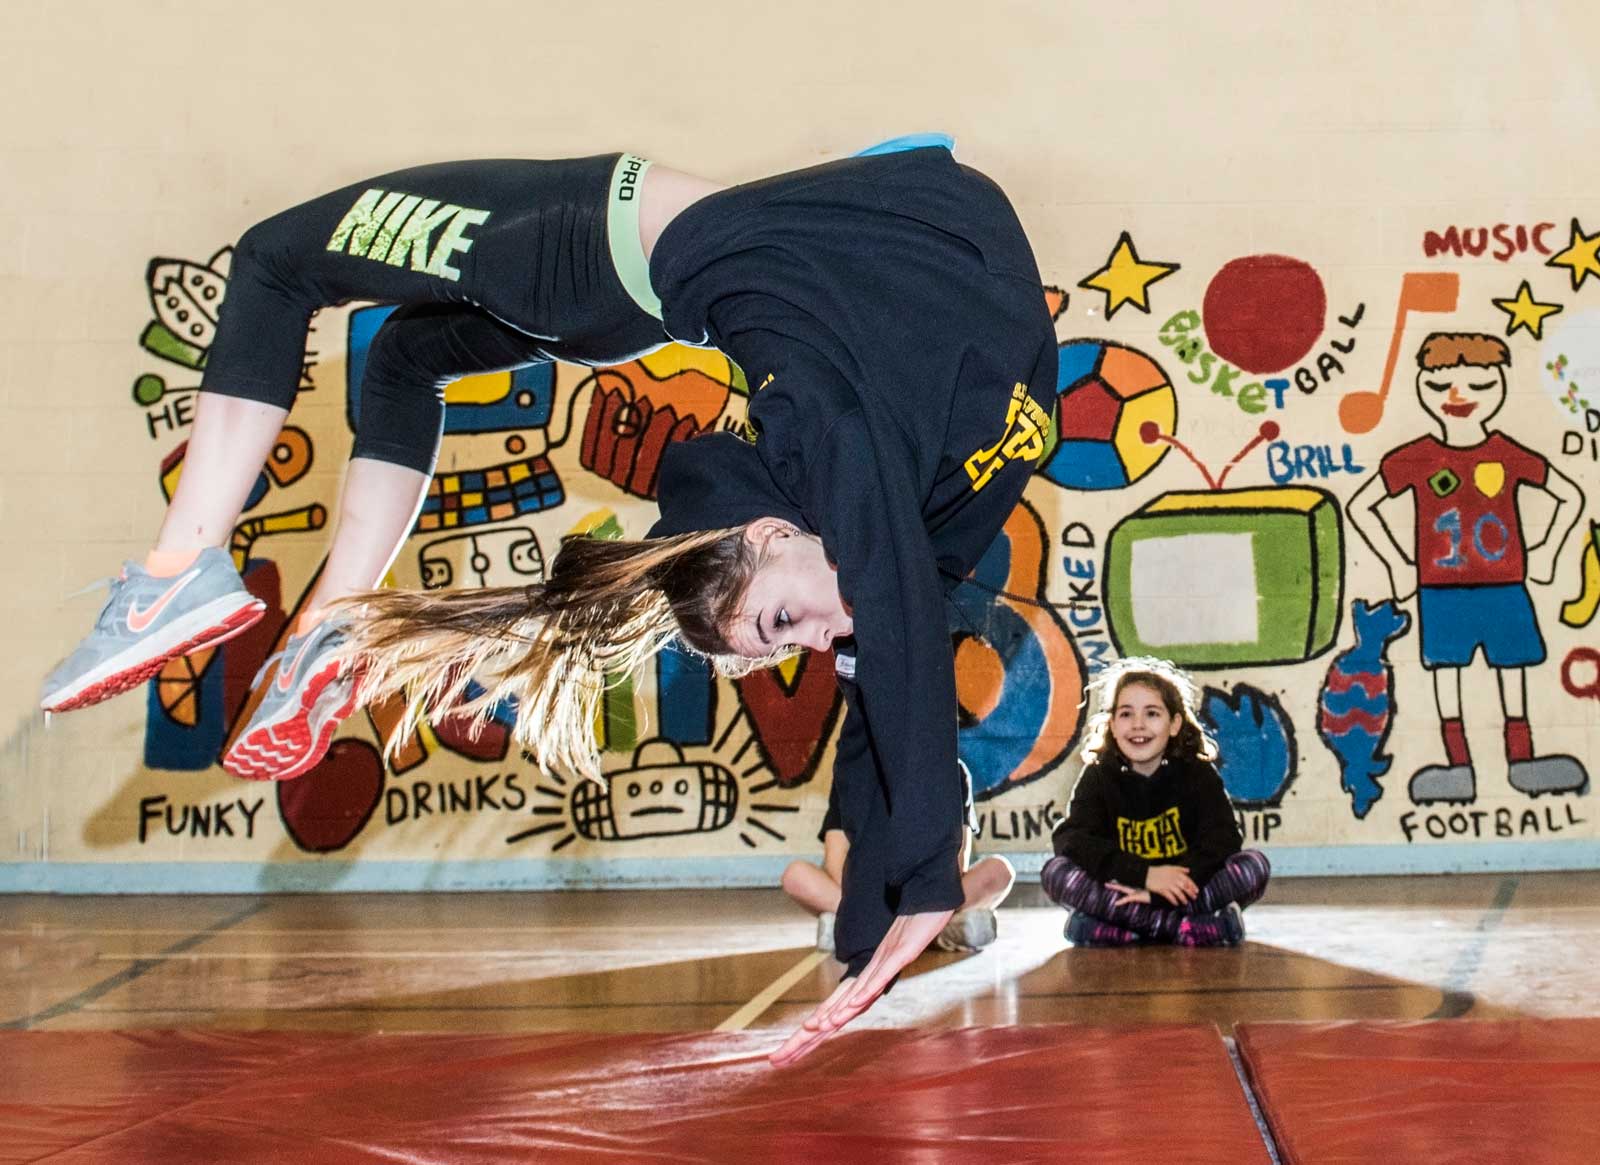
(1152, 837)
(1026, 427)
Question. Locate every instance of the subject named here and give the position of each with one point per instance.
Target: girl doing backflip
(888, 313)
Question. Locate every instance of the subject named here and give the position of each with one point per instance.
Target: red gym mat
(1045, 1093)
(1455, 1090)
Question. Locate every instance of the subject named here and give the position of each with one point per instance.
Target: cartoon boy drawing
(1470, 556)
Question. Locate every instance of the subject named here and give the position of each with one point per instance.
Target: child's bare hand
(1172, 883)
(907, 938)
(1129, 895)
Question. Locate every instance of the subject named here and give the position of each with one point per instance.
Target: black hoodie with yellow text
(889, 317)
(1121, 822)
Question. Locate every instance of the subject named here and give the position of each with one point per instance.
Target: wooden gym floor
(1481, 946)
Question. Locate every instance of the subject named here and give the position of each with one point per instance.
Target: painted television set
(1225, 578)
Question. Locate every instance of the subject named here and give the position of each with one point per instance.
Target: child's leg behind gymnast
(984, 883)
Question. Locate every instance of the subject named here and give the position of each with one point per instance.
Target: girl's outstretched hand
(907, 938)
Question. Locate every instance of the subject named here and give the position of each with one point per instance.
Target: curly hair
(553, 647)
(1178, 693)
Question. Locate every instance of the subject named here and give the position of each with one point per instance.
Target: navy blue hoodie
(890, 319)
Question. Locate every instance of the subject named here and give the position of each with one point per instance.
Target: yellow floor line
(764, 999)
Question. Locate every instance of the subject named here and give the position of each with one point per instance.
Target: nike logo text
(395, 228)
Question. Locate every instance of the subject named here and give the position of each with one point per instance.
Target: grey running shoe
(147, 621)
(968, 930)
(825, 931)
(1084, 930)
(1221, 928)
(1455, 783)
(1080, 929)
(1548, 774)
(309, 688)
(1232, 924)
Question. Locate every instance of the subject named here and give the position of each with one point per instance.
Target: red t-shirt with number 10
(1468, 531)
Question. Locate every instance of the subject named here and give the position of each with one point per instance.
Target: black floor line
(1250, 1098)
(1457, 999)
(132, 971)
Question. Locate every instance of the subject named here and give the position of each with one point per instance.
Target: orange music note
(1359, 412)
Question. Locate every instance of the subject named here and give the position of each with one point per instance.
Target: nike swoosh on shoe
(286, 675)
(139, 620)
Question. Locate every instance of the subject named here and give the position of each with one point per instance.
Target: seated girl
(1150, 850)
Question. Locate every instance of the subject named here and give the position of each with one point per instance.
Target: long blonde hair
(1178, 693)
(554, 647)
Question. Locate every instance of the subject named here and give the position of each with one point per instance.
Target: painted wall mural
(1370, 534)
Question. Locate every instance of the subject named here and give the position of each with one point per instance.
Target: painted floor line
(768, 995)
(143, 966)
(1456, 999)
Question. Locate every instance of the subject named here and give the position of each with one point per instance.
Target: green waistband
(622, 228)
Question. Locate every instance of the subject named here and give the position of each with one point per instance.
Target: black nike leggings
(496, 265)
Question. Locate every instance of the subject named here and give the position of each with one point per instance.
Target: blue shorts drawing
(1456, 621)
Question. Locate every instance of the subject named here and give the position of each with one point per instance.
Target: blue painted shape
(1077, 359)
(910, 141)
(1085, 465)
(175, 748)
(1255, 741)
(257, 492)
(1361, 763)
(504, 711)
(997, 746)
(685, 691)
(1354, 723)
(527, 405)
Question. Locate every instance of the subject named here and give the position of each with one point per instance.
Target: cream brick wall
(1335, 134)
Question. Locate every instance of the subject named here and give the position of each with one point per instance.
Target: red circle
(1262, 313)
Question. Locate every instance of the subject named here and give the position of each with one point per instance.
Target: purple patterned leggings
(1242, 879)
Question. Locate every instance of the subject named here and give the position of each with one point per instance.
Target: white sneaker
(968, 930)
(825, 931)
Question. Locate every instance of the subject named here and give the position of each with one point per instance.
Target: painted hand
(907, 938)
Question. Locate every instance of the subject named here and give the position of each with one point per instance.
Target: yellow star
(1125, 277)
(1526, 312)
(1579, 257)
